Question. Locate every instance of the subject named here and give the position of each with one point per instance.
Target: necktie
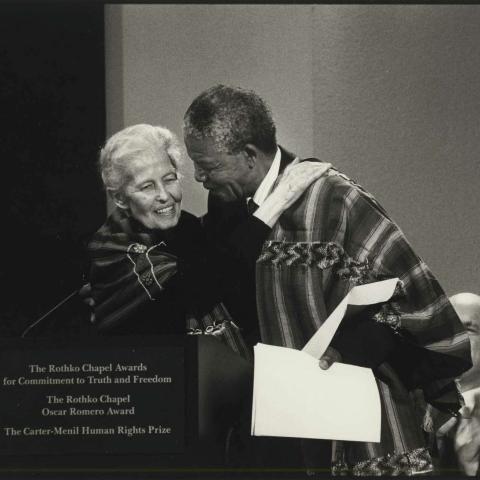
(251, 206)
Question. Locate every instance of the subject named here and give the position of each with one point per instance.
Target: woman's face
(152, 192)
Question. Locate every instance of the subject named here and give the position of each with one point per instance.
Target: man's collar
(269, 180)
(287, 159)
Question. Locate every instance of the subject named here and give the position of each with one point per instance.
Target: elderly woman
(152, 270)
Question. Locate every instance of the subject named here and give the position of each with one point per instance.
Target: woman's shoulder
(116, 222)
(119, 229)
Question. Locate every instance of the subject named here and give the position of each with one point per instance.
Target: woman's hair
(231, 117)
(130, 143)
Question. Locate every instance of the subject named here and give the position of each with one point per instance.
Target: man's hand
(467, 438)
(328, 358)
(297, 177)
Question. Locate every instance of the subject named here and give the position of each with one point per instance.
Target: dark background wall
(52, 124)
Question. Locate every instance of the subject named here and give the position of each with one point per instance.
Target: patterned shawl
(130, 269)
(338, 236)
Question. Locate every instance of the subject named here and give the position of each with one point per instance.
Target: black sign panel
(108, 399)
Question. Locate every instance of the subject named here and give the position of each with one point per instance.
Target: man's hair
(134, 142)
(231, 117)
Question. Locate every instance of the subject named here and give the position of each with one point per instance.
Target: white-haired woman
(152, 270)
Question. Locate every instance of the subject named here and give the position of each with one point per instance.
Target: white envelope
(293, 397)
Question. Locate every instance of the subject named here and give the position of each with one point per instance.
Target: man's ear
(118, 198)
(252, 154)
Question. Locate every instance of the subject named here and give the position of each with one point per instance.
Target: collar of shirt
(267, 183)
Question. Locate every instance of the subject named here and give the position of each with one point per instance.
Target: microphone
(58, 305)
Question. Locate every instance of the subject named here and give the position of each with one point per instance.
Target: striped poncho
(337, 236)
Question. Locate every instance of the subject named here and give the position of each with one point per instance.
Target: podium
(225, 382)
(133, 403)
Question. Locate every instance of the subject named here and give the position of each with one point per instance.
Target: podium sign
(136, 403)
(90, 400)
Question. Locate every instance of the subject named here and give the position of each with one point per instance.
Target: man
(457, 439)
(335, 237)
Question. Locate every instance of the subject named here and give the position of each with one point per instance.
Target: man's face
(227, 176)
